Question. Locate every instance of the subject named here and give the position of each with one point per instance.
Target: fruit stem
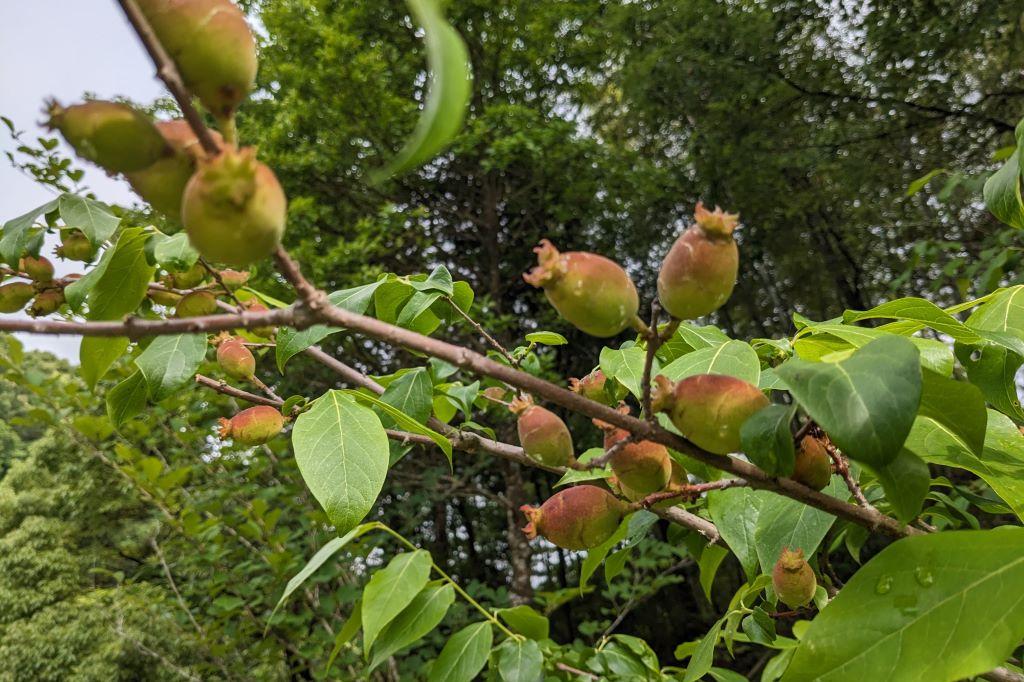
(229, 130)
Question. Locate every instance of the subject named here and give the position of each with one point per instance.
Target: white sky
(62, 48)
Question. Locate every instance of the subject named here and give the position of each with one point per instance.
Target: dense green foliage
(853, 143)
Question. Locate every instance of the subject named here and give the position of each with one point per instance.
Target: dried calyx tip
(549, 265)
(521, 403)
(716, 222)
(530, 529)
(662, 394)
(791, 560)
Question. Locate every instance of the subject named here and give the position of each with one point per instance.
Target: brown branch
(483, 332)
(843, 469)
(227, 389)
(168, 73)
(690, 491)
(137, 328)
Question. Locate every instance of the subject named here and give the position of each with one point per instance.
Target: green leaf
(710, 559)
(170, 362)
(448, 97)
(1000, 464)
(921, 311)
(97, 354)
(291, 342)
(342, 453)
(391, 589)
(520, 661)
(782, 523)
(173, 252)
(346, 633)
(767, 440)
(16, 235)
(919, 184)
(464, 655)
(415, 621)
(733, 358)
(704, 655)
(866, 403)
(525, 621)
(122, 279)
(439, 280)
(405, 422)
(688, 338)
(411, 393)
(318, 560)
(625, 366)
(735, 512)
(1003, 196)
(90, 216)
(547, 338)
(935, 355)
(905, 481)
(945, 606)
(993, 369)
(573, 476)
(127, 399)
(957, 405)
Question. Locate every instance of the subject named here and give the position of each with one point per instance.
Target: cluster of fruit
(231, 205)
(598, 297)
(45, 292)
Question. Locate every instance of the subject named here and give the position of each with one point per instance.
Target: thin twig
(215, 273)
(227, 389)
(690, 491)
(575, 671)
(174, 588)
(843, 469)
(483, 332)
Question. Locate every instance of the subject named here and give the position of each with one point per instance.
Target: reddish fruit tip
(549, 265)
(715, 222)
(662, 394)
(224, 427)
(521, 403)
(532, 515)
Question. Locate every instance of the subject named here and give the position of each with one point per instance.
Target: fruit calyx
(550, 266)
(715, 223)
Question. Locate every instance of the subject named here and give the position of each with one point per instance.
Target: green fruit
(114, 136)
(543, 435)
(591, 387)
(46, 302)
(253, 426)
(15, 295)
(235, 359)
(162, 183)
(196, 304)
(212, 46)
(709, 409)
(164, 298)
(591, 292)
(257, 307)
(699, 272)
(576, 518)
(813, 466)
(793, 579)
(39, 269)
(189, 279)
(76, 246)
(642, 468)
(234, 209)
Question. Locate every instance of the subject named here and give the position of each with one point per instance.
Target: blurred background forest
(599, 125)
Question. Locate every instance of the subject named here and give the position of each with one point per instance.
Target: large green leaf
(918, 310)
(905, 481)
(993, 369)
(735, 512)
(957, 405)
(411, 393)
(96, 354)
(866, 403)
(935, 355)
(519, 660)
(525, 621)
(319, 559)
(390, 590)
(342, 452)
(939, 607)
(1002, 193)
(404, 421)
(767, 440)
(127, 399)
(417, 619)
(448, 97)
(16, 233)
(626, 365)
(173, 252)
(169, 362)
(119, 282)
(782, 523)
(733, 358)
(465, 654)
(92, 217)
(1000, 464)
(291, 342)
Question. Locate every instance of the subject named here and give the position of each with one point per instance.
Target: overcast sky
(62, 48)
